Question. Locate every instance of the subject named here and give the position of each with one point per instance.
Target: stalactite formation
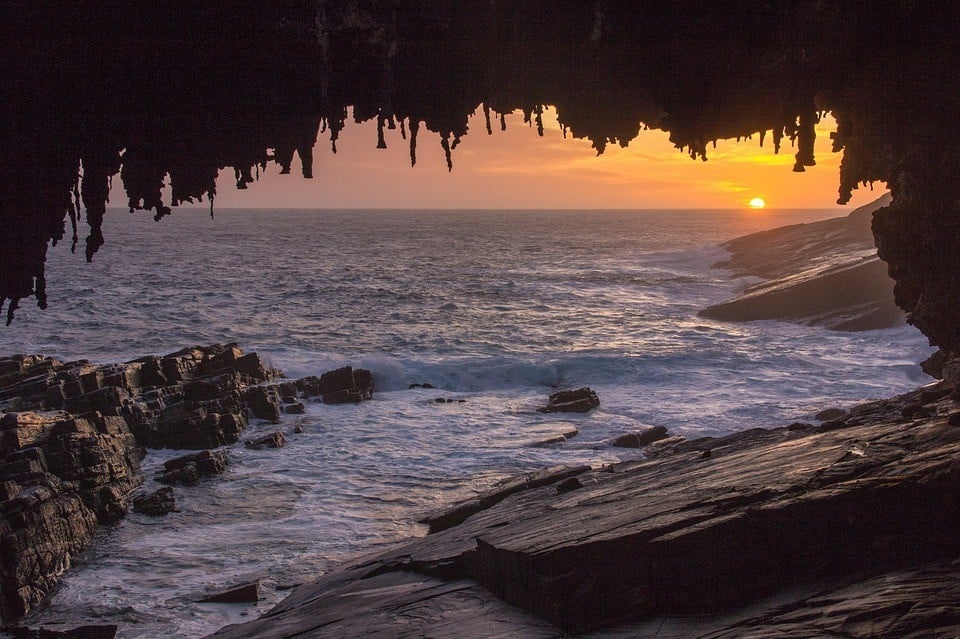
(163, 95)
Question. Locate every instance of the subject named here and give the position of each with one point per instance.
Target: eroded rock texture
(150, 92)
(72, 435)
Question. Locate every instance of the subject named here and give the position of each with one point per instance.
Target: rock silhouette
(87, 86)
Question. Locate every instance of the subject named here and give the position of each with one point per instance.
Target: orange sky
(518, 169)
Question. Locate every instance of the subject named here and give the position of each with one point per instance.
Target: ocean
(498, 308)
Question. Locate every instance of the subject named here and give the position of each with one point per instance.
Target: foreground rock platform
(706, 528)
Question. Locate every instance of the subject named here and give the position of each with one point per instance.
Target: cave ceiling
(152, 93)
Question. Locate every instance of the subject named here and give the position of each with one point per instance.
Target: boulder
(644, 438)
(189, 469)
(572, 401)
(159, 502)
(263, 402)
(296, 408)
(247, 593)
(346, 386)
(273, 440)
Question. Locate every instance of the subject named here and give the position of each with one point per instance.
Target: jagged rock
(581, 400)
(189, 469)
(159, 502)
(263, 402)
(298, 429)
(933, 365)
(62, 474)
(247, 593)
(345, 386)
(273, 440)
(638, 440)
(60, 477)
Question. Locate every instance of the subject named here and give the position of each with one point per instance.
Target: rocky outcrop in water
(582, 400)
(193, 398)
(72, 435)
(800, 515)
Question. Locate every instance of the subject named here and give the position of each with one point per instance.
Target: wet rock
(645, 438)
(60, 477)
(159, 502)
(298, 429)
(345, 386)
(247, 593)
(273, 440)
(458, 513)
(263, 402)
(569, 433)
(954, 418)
(425, 385)
(932, 395)
(800, 426)
(867, 499)
(830, 414)
(188, 470)
(297, 408)
(833, 424)
(573, 401)
(308, 386)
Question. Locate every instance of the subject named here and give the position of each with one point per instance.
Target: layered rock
(682, 532)
(71, 438)
(824, 273)
(60, 476)
(193, 398)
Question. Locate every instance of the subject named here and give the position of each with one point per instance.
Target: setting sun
(757, 203)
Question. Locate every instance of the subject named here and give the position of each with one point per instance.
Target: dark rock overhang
(152, 89)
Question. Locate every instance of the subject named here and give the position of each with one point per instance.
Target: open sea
(499, 308)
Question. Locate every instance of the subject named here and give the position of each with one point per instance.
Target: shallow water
(495, 307)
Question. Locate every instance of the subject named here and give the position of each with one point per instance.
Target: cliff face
(149, 92)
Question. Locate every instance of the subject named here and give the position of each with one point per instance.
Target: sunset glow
(518, 169)
(757, 203)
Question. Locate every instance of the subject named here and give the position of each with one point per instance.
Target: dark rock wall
(148, 90)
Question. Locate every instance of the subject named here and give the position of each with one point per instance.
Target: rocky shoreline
(845, 528)
(824, 273)
(73, 434)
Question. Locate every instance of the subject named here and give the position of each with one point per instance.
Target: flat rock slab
(397, 604)
(767, 513)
